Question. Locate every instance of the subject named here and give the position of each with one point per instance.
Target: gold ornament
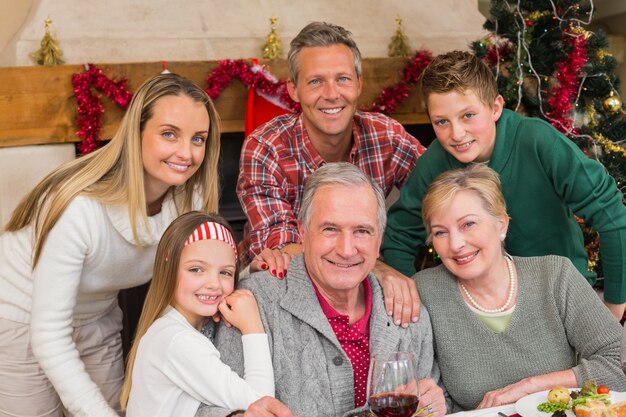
(579, 30)
(273, 48)
(399, 45)
(536, 15)
(49, 53)
(602, 53)
(612, 103)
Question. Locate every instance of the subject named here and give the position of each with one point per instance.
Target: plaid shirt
(278, 157)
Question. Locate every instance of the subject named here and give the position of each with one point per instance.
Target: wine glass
(392, 389)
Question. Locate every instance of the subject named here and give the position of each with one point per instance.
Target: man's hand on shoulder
(400, 293)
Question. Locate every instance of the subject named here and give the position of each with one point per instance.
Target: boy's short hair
(459, 71)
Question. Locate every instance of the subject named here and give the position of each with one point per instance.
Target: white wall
(155, 30)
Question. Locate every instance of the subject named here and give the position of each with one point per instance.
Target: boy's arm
(592, 194)
(405, 232)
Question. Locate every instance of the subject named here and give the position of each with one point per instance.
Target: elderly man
(327, 317)
(278, 157)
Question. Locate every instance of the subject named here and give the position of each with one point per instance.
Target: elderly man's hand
(266, 407)
(400, 294)
(431, 397)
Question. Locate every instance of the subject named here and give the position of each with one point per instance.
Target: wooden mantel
(37, 105)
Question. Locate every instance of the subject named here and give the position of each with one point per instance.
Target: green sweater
(557, 316)
(546, 179)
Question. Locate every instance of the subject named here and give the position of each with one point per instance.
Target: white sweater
(177, 368)
(89, 255)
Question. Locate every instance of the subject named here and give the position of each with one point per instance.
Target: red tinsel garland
(219, 79)
(389, 99)
(568, 73)
(90, 108)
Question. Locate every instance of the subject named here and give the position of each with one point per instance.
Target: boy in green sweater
(546, 179)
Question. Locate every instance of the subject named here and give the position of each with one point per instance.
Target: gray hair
(340, 173)
(321, 34)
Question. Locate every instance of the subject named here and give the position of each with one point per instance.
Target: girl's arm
(194, 365)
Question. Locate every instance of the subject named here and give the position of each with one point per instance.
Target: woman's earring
(502, 237)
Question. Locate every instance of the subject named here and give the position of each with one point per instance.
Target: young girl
(88, 230)
(172, 367)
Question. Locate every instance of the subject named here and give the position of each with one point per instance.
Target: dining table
(508, 411)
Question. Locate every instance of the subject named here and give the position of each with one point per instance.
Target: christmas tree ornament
(49, 53)
(273, 48)
(399, 45)
(612, 103)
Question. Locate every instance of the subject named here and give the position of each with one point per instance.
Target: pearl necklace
(509, 264)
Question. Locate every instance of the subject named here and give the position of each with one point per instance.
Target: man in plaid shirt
(279, 156)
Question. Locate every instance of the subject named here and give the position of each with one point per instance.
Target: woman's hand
(530, 385)
(431, 397)
(241, 310)
(274, 260)
(507, 395)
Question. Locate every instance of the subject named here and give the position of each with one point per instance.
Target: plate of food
(588, 401)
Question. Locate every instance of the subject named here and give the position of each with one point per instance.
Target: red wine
(391, 404)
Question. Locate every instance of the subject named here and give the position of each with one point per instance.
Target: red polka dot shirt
(355, 340)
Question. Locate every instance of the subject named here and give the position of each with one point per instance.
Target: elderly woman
(505, 327)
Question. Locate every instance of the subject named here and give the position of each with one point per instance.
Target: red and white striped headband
(212, 230)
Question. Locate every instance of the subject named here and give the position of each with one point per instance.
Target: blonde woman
(506, 326)
(88, 230)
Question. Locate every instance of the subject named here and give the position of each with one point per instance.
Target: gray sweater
(313, 374)
(557, 316)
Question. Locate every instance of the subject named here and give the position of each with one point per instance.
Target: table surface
(488, 412)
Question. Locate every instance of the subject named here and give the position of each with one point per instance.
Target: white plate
(527, 406)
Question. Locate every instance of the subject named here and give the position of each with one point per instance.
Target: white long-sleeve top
(177, 368)
(89, 255)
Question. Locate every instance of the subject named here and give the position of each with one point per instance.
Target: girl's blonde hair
(163, 284)
(114, 173)
(478, 178)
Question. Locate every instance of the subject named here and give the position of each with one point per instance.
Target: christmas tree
(548, 65)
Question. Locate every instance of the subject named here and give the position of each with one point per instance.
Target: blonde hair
(459, 71)
(477, 178)
(163, 284)
(114, 173)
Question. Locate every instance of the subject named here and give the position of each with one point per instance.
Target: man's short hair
(459, 71)
(321, 34)
(340, 173)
